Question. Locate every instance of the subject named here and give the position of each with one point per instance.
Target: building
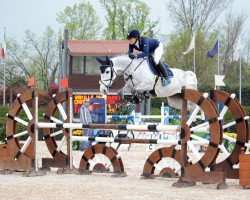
(84, 72)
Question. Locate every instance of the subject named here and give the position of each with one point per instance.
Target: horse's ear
(108, 61)
(103, 62)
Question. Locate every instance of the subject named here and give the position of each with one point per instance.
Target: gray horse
(140, 80)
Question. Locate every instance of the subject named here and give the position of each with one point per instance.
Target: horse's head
(108, 74)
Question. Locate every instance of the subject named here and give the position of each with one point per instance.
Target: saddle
(154, 68)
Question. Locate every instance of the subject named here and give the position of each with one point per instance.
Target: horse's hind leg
(175, 101)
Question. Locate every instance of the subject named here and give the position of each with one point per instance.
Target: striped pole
(134, 116)
(124, 140)
(36, 133)
(143, 116)
(146, 116)
(70, 133)
(128, 127)
(132, 140)
(131, 127)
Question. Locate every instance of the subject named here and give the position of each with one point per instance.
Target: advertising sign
(78, 100)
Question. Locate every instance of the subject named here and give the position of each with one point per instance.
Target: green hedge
(3, 111)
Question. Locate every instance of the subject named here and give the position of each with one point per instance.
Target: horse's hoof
(140, 95)
(147, 95)
(135, 100)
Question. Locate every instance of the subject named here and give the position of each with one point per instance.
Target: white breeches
(158, 53)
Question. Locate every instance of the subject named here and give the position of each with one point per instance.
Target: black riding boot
(163, 71)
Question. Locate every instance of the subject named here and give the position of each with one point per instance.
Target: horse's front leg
(129, 90)
(141, 91)
(126, 89)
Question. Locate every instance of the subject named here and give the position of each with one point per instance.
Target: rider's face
(132, 41)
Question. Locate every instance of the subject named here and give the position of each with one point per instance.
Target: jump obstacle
(204, 169)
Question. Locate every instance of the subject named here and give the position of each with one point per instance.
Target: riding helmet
(133, 34)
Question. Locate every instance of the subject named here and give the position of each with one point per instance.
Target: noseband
(111, 76)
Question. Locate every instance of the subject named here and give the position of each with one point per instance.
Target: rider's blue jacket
(147, 46)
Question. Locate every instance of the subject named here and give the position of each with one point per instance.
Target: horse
(140, 79)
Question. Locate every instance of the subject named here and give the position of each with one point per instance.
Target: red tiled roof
(97, 47)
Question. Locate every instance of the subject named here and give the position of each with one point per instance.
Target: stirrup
(165, 81)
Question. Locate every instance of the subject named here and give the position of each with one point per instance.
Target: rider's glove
(132, 56)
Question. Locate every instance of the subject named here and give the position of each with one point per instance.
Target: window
(87, 65)
(78, 65)
(92, 65)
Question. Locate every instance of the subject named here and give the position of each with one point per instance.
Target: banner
(3, 51)
(215, 50)
(31, 82)
(219, 80)
(64, 82)
(191, 46)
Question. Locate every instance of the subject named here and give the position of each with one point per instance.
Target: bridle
(108, 86)
(111, 76)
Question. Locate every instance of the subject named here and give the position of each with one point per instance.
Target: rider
(147, 46)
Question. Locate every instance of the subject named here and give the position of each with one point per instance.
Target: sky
(20, 15)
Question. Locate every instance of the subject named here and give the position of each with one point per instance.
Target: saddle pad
(155, 72)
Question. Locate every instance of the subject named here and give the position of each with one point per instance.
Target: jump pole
(70, 133)
(183, 156)
(69, 108)
(35, 171)
(131, 140)
(131, 127)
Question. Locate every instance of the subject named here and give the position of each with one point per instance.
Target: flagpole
(4, 69)
(218, 57)
(240, 77)
(4, 84)
(194, 54)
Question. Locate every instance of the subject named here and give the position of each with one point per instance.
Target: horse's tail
(191, 80)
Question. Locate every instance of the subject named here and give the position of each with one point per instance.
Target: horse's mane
(121, 55)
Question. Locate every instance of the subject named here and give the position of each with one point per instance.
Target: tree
(81, 20)
(194, 14)
(38, 57)
(15, 63)
(231, 32)
(43, 56)
(124, 15)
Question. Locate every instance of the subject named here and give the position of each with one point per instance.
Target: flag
(3, 51)
(191, 46)
(238, 49)
(31, 81)
(64, 82)
(219, 80)
(215, 50)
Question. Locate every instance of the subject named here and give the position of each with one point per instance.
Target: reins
(130, 76)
